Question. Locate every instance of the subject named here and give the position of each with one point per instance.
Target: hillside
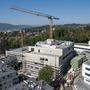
(6, 26)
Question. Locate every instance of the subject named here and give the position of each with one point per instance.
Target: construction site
(34, 58)
(23, 62)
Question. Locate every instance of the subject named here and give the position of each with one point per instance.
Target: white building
(86, 72)
(50, 52)
(80, 47)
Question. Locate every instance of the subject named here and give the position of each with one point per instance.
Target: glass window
(46, 59)
(32, 49)
(3, 77)
(4, 83)
(36, 63)
(88, 80)
(8, 76)
(5, 87)
(0, 85)
(87, 69)
(87, 74)
(31, 66)
(36, 68)
(41, 58)
(39, 50)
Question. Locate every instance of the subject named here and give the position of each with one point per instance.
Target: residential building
(34, 84)
(80, 85)
(86, 72)
(77, 61)
(9, 60)
(8, 77)
(82, 47)
(82, 81)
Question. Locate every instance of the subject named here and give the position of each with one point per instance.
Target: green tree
(34, 39)
(46, 73)
(12, 42)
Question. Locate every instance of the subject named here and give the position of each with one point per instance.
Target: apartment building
(82, 47)
(86, 72)
(8, 77)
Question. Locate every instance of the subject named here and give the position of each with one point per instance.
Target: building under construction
(54, 53)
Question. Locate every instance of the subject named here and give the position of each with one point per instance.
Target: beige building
(50, 52)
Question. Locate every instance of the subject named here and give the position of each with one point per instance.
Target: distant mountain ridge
(6, 26)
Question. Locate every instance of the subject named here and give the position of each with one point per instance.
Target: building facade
(51, 52)
(86, 72)
(77, 62)
(80, 47)
(8, 77)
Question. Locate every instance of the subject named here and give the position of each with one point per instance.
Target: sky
(69, 11)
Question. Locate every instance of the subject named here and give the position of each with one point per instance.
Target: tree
(34, 39)
(12, 42)
(46, 73)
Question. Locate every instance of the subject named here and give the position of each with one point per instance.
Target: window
(15, 81)
(8, 76)
(87, 69)
(11, 75)
(0, 85)
(31, 66)
(39, 50)
(28, 65)
(32, 49)
(46, 59)
(87, 74)
(10, 85)
(23, 56)
(36, 68)
(69, 48)
(3, 77)
(36, 63)
(88, 80)
(41, 58)
(5, 87)
(4, 83)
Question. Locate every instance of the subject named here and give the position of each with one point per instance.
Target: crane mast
(50, 18)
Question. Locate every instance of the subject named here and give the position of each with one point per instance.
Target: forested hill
(73, 26)
(79, 33)
(6, 26)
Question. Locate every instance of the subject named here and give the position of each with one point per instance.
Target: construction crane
(21, 37)
(50, 18)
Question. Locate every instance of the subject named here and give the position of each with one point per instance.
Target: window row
(44, 59)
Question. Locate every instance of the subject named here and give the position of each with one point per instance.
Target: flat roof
(77, 58)
(83, 44)
(87, 55)
(87, 62)
(20, 50)
(53, 42)
(6, 71)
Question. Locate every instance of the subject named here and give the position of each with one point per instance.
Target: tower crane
(50, 18)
